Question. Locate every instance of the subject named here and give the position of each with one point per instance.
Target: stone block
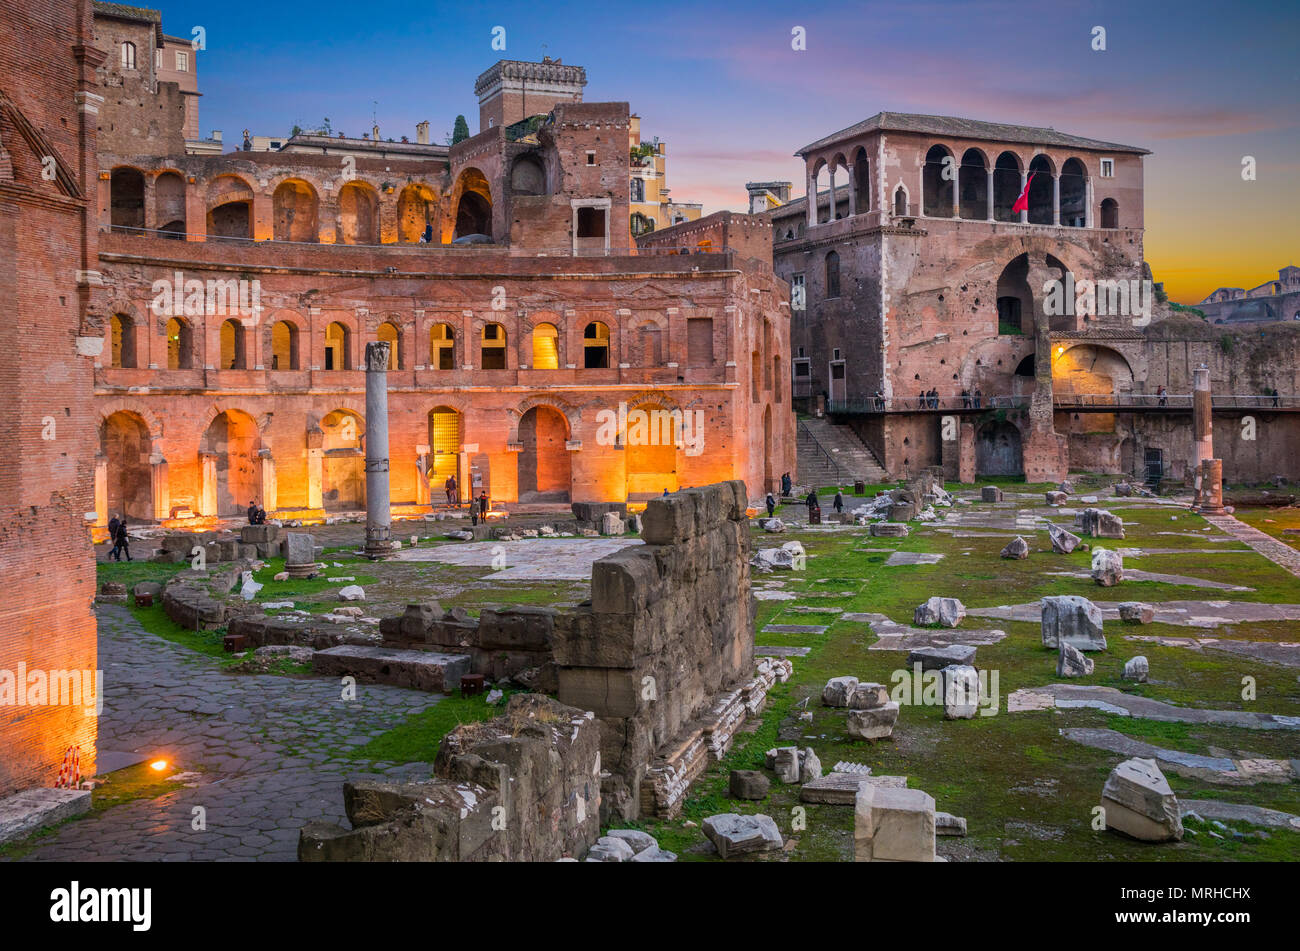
(1137, 669)
(1107, 567)
(1017, 549)
(1137, 801)
(1076, 620)
(1070, 662)
(940, 612)
(30, 810)
(417, 670)
(748, 784)
(837, 691)
(937, 658)
(868, 696)
(961, 692)
(1063, 542)
(990, 493)
(1136, 612)
(889, 530)
(734, 834)
(873, 724)
(902, 826)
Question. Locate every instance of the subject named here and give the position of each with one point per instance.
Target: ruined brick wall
(47, 249)
(140, 115)
(670, 627)
(523, 787)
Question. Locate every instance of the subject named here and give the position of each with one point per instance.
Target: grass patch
(417, 739)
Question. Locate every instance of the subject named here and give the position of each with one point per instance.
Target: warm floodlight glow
(158, 764)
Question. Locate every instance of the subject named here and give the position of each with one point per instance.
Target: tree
(460, 132)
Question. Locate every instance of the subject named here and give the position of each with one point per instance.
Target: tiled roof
(968, 129)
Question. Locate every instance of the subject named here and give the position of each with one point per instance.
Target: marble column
(1202, 425)
(208, 484)
(988, 185)
(159, 487)
(1056, 199)
(812, 199)
(1211, 487)
(853, 193)
(830, 211)
(379, 513)
(270, 489)
(1024, 183)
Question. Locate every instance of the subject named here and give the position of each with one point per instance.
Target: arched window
(337, 349)
(388, 334)
(595, 346)
(937, 182)
(546, 350)
(128, 55)
(284, 346)
(900, 202)
(122, 353)
(442, 347)
(180, 345)
(1109, 213)
(232, 345)
(832, 275)
(1074, 194)
(492, 347)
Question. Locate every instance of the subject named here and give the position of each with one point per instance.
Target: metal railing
(871, 405)
(830, 460)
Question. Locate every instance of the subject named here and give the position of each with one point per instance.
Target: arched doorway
(1040, 191)
(973, 185)
(997, 450)
(358, 214)
(1074, 194)
(650, 451)
(1015, 301)
(180, 344)
(124, 442)
(294, 208)
(937, 182)
(343, 473)
(416, 210)
(1006, 186)
(544, 470)
(1092, 371)
(473, 206)
(169, 202)
(232, 438)
(444, 451)
(126, 198)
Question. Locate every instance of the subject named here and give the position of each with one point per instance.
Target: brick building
(525, 322)
(48, 277)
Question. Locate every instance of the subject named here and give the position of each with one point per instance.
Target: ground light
(158, 765)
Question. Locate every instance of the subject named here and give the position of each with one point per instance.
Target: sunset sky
(1200, 84)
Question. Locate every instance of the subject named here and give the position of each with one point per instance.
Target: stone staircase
(833, 455)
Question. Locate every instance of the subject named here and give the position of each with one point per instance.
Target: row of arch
(232, 455)
(445, 352)
(972, 188)
(296, 208)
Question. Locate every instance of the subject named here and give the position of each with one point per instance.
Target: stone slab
(912, 558)
(418, 670)
(32, 809)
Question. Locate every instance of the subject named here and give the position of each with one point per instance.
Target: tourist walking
(482, 505)
(121, 542)
(839, 501)
(771, 505)
(1162, 398)
(814, 508)
(450, 487)
(979, 395)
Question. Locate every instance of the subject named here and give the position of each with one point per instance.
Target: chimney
(422, 132)
(216, 135)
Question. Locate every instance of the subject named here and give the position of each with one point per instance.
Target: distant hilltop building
(1270, 301)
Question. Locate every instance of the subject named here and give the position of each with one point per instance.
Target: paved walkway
(1275, 551)
(270, 751)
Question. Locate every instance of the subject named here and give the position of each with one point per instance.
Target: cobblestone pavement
(1275, 551)
(271, 751)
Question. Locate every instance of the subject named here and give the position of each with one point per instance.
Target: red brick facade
(47, 265)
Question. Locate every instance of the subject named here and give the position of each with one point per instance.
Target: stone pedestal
(379, 515)
(1211, 495)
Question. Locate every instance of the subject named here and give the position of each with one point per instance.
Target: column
(1088, 221)
(101, 491)
(956, 188)
(208, 484)
(379, 513)
(315, 469)
(989, 191)
(1056, 199)
(853, 193)
(1202, 426)
(422, 465)
(830, 210)
(812, 198)
(1024, 183)
(270, 490)
(159, 487)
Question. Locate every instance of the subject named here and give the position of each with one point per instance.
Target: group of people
(478, 508)
(117, 535)
(928, 399)
(971, 400)
(256, 514)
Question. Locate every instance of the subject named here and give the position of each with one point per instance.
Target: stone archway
(998, 450)
(125, 444)
(230, 474)
(545, 473)
(650, 450)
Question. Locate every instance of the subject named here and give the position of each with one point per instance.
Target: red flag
(1022, 203)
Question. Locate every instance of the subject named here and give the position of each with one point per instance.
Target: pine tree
(460, 132)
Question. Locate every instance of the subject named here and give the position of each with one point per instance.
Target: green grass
(417, 739)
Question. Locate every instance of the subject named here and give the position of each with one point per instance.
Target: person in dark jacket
(121, 542)
(427, 237)
(771, 505)
(112, 533)
(839, 501)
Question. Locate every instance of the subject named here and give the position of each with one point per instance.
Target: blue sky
(1201, 84)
